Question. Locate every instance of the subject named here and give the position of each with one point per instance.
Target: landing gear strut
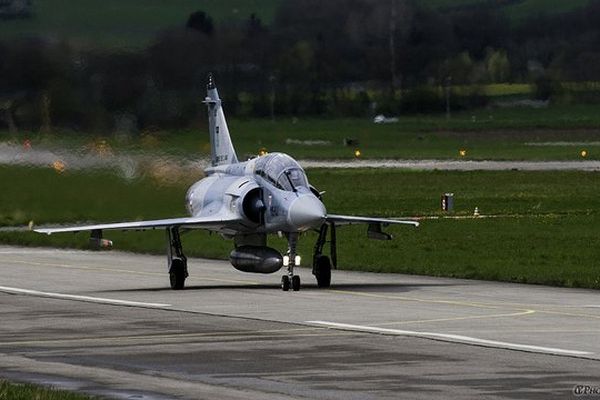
(290, 260)
(322, 263)
(176, 260)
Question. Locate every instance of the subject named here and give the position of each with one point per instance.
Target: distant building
(16, 8)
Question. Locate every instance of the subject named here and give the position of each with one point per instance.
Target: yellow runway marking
(489, 316)
(117, 270)
(521, 308)
(432, 301)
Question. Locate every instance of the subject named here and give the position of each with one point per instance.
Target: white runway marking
(28, 252)
(88, 299)
(452, 338)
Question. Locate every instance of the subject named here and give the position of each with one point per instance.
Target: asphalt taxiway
(107, 323)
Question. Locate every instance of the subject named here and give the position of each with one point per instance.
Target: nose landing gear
(290, 260)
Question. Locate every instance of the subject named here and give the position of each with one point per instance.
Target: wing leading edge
(189, 222)
(349, 220)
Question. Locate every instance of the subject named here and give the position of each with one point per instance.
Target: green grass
(19, 391)
(495, 134)
(546, 232)
(499, 89)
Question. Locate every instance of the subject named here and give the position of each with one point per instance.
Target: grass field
(18, 391)
(545, 230)
(554, 133)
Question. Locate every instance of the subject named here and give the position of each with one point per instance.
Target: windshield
(282, 171)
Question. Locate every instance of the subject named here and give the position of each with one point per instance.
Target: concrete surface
(107, 323)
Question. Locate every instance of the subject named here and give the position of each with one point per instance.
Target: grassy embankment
(496, 134)
(18, 391)
(546, 230)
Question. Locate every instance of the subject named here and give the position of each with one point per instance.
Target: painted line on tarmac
(117, 270)
(453, 338)
(452, 319)
(88, 299)
(462, 303)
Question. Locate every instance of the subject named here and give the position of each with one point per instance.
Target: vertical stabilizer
(222, 151)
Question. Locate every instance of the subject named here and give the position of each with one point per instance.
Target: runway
(107, 323)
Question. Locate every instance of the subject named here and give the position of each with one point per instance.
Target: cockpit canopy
(282, 171)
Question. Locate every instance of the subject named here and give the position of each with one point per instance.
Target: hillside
(516, 9)
(132, 23)
(124, 23)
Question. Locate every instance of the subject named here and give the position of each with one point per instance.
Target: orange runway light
(462, 152)
(59, 166)
(584, 153)
(357, 153)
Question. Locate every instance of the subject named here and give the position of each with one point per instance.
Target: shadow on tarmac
(375, 287)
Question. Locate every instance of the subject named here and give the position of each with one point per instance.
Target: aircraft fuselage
(270, 193)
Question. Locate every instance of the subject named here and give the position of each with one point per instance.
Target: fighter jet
(246, 201)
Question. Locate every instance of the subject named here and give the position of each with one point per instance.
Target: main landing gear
(322, 263)
(290, 260)
(176, 260)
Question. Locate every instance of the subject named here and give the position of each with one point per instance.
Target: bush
(546, 88)
(422, 100)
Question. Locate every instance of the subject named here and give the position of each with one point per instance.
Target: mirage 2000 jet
(246, 201)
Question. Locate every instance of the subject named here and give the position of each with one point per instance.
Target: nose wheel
(291, 260)
(287, 283)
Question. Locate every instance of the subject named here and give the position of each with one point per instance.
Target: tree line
(323, 58)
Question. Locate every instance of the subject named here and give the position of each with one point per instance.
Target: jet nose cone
(306, 212)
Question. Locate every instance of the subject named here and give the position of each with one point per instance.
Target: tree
(497, 65)
(201, 22)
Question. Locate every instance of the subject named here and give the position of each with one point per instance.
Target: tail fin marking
(222, 151)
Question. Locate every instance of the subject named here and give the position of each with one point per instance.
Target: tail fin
(222, 151)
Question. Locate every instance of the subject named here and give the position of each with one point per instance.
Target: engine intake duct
(253, 206)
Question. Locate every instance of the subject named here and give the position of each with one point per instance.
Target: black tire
(285, 283)
(323, 271)
(177, 274)
(295, 283)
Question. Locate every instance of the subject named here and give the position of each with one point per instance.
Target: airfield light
(584, 153)
(462, 152)
(263, 151)
(357, 153)
(27, 144)
(59, 166)
(102, 148)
